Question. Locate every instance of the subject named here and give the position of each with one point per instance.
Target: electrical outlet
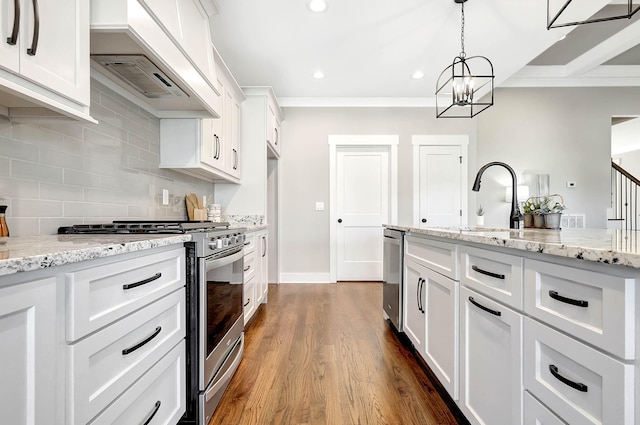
(165, 197)
(319, 206)
(571, 184)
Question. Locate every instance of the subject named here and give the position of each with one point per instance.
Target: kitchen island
(527, 326)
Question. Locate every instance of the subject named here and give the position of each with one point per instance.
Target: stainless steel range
(215, 321)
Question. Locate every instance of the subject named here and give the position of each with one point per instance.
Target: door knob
(339, 220)
(424, 220)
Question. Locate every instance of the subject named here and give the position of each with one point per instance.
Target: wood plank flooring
(323, 354)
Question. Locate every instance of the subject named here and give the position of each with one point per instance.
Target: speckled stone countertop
(35, 252)
(617, 247)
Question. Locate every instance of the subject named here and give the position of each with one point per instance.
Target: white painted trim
(557, 76)
(305, 278)
(358, 102)
(342, 141)
(364, 140)
(461, 140)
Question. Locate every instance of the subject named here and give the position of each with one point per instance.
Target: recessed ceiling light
(417, 75)
(317, 5)
(318, 75)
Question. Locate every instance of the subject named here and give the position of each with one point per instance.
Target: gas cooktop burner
(143, 227)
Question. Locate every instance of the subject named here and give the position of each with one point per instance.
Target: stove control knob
(232, 240)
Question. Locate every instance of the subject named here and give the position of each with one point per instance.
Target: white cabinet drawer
(495, 274)
(582, 384)
(104, 364)
(160, 392)
(99, 295)
(249, 300)
(249, 242)
(249, 266)
(535, 413)
(595, 307)
(438, 256)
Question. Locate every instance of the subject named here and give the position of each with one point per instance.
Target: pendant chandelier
(556, 9)
(458, 87)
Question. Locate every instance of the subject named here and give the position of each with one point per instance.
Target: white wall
(58, 174)
(304, 171)
(563, 132)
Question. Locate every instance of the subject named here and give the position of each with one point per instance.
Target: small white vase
(479, 220)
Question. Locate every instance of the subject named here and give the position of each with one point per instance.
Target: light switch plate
(319, 206)
(165, 197)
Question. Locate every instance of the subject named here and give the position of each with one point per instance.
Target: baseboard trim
(305, 278)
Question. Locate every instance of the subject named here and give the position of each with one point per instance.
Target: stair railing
(625, 189)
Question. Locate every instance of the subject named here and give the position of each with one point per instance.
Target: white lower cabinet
(28, 353)
(158, 398)
(413, 299)
(441, 338)
(581, 384)
(535, 413)
(431, 307)
(490, 361)
(262, 266)
(117, 356)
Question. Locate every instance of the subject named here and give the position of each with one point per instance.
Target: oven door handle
(228, 373)
(220, 262)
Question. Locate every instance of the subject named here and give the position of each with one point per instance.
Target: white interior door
(440, 189)
(362, 177)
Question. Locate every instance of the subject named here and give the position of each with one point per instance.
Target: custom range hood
(131, 48)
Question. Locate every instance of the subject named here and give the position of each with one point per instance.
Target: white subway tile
(81, 209)
(80, 178)
(36, 208)
(23, 170)
(18, 150)
(60, 192)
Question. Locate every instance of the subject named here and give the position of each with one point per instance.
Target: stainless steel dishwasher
(392, 276)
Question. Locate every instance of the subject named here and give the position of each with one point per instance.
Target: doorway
(363, 197)
(440, 170)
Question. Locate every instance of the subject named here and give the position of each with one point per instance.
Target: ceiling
(369, 49)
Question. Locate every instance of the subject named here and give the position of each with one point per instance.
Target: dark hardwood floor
(323, 354)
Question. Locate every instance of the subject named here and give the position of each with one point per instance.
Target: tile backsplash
(61, 173)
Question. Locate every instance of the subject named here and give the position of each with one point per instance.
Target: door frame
(461, 140)
(336, 142)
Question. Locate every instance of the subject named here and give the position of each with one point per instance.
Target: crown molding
(357, 102)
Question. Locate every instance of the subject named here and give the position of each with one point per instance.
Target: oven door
(221, 312)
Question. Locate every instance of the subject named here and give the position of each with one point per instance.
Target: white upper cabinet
(178, 77)
(188, 24)
(207, 148)
(274, 139)
(44, 55)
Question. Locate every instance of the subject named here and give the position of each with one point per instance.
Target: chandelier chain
(462, 54)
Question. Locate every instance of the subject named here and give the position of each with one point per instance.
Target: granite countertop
(618, 247)
(35, 252)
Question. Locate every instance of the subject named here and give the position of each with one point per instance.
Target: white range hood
(131, 48)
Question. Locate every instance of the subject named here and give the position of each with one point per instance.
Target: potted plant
(480, 215)
(530, 208)
(553, 211)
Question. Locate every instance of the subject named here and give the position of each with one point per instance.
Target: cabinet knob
(424, 220)
(339, 220)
